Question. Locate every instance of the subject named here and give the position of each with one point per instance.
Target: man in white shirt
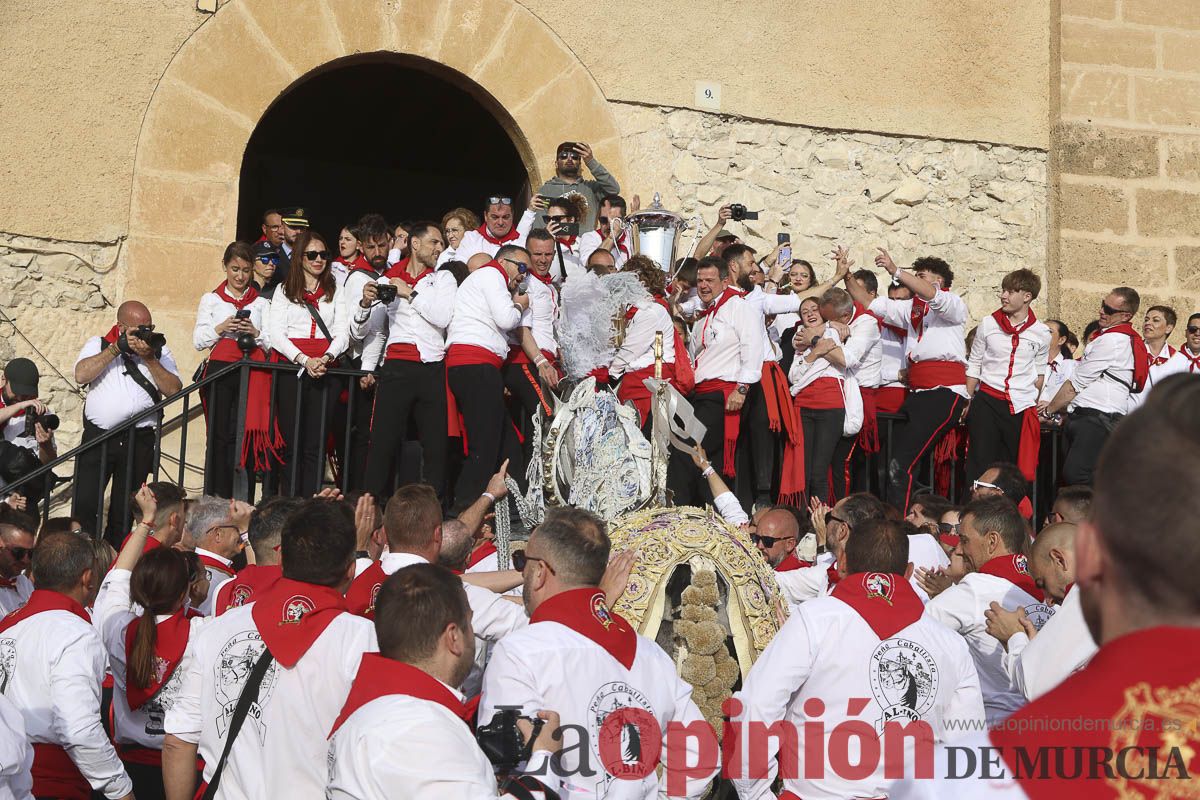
(125, 375)
(991, 538)
(16, 550)
(1115, 362)
(16, 754)
(409, 335)
(20, 406)
(51, 667)
(1037, 661)
(496, 231)
(611, 234)
(935, 358)
(215, 536)
(300, 633)
(727, 347)
(869, 646)
(1122, 727)
(1005, 372)
(1189, 352)
(486, 309)
(579, 658)
(561, 221)
(404, 731)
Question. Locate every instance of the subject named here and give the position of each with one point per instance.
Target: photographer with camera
(231, 321)
(568, 178)
(25, 419)
(561, 220)
(127, 371)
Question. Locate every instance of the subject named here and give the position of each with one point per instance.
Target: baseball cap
(264, 249)
(22, 377)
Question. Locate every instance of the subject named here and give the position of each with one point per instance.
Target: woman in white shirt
(231, 311)
(455, 225)
(820, 405)
(308, 327)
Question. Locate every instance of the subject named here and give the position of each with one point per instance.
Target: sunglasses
(555, 217)
(947, 527)
(829, 517)
(268, 260)
(568, 155)
(499, 201)
(1105, 308)
(1193, 330)
(978, 484)
(522, 267)
(313, 255)
(20, 553)
(769, 541)
(520, 559)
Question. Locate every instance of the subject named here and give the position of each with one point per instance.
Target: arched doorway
(384, 133)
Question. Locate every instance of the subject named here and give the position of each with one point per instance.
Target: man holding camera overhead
(127, 370)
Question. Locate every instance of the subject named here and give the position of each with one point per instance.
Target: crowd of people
(373, 645)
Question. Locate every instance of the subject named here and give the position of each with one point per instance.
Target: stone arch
(183, 207)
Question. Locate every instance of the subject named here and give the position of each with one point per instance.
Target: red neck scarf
(790, 562)
(292, 614)
(359, 264)
(248, 297)
(244, 586)
(483, 231)
(360, 597)
(712, 310)
(884, 600)
(834, 576)
(494, 264)
(861, 311)
(1014, 331)
(620, 242)
(586, 612)
(379, 676)
(314, 297)
(481, 552)
(1015, 570)
(1193, 360)
(1141, 356)
(113, 334)
(1160, 359)
(916, 315)
(44, 600)
(546, 279)
(400, 270)
(170, 640)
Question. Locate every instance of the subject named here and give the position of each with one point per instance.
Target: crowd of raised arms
(372, 645)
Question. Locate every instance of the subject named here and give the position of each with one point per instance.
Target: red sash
(1141, 356)
(242, 589)
(1132, 687)
(790, 562)
(44, 600)
(936, 374)
(360, 597)
(868, 437)
(1015, 570)
(379, 676)
(403, 351)
(463, 355)
(586, 612)
(291, 615)
(632, 388)
(733, 421)
(821, 393)
(889, 399)
(485, 549)
(313, 348)
(483, 231)
(885, 601)
(170, 639)
(55, 774)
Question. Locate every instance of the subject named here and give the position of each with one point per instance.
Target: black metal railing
(335, 460)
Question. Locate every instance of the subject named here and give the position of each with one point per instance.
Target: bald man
(1037, 661)
(776, 537)
(125, 377)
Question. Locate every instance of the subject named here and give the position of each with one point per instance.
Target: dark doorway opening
(376, 135)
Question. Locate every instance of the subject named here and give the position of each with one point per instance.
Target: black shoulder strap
(316, 315)
(523, 787)
(247, 698)
(132, 370)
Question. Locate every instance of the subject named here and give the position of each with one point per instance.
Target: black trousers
(147, 781)
(356, 413)
(683, 479)
(930, 414)
(1087, 431)
(313, 406)
(408, 389)
(757, 453)
(479, 391)
(221, 409)
(126, 461)
(993, 434)
(527, 395)
(822, 432)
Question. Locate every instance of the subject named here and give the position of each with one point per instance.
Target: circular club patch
(904, 680)
(880, 584)
(296, 607)
(1039, 614)
(609, 699)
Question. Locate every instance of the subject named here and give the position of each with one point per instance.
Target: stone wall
(1129, 154)
(979, 206)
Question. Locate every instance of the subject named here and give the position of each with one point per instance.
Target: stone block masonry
(981, 207)
(1128, 140)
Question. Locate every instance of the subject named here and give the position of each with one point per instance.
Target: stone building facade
(1057, 136)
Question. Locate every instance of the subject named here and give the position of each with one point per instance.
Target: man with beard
(409, 333)
(19, 404)
(531, 368)
(776, 538)
(404, 731)
(1135, 568)
(496, 231)
(568, 178)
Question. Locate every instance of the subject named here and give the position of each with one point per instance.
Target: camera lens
(49, 421)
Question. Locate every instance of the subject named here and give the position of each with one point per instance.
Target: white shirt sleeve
(373, 334)
(436, 305)
(504, 312)
(979, 348)
(954, 608)
(893, 312)
(952, 307)
(75, 679)
(205, 335)
(493, 616)
(862, 338)
(803, 584)
(781, 303)
(750, 343)
(730, 509)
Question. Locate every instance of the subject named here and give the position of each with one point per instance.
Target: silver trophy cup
(656, 233)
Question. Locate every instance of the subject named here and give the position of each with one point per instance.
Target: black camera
(387, 293)
(147, 334)
(49, 421)
(501, 740)
(738, 212)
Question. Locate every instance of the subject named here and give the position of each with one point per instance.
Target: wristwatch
(362, 554)
(742, 388)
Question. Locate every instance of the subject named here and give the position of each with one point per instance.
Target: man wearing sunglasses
(16, 550)
(496, 231)
(1189, 353)
(568, 177)
(1115, 364)
(776, 537)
